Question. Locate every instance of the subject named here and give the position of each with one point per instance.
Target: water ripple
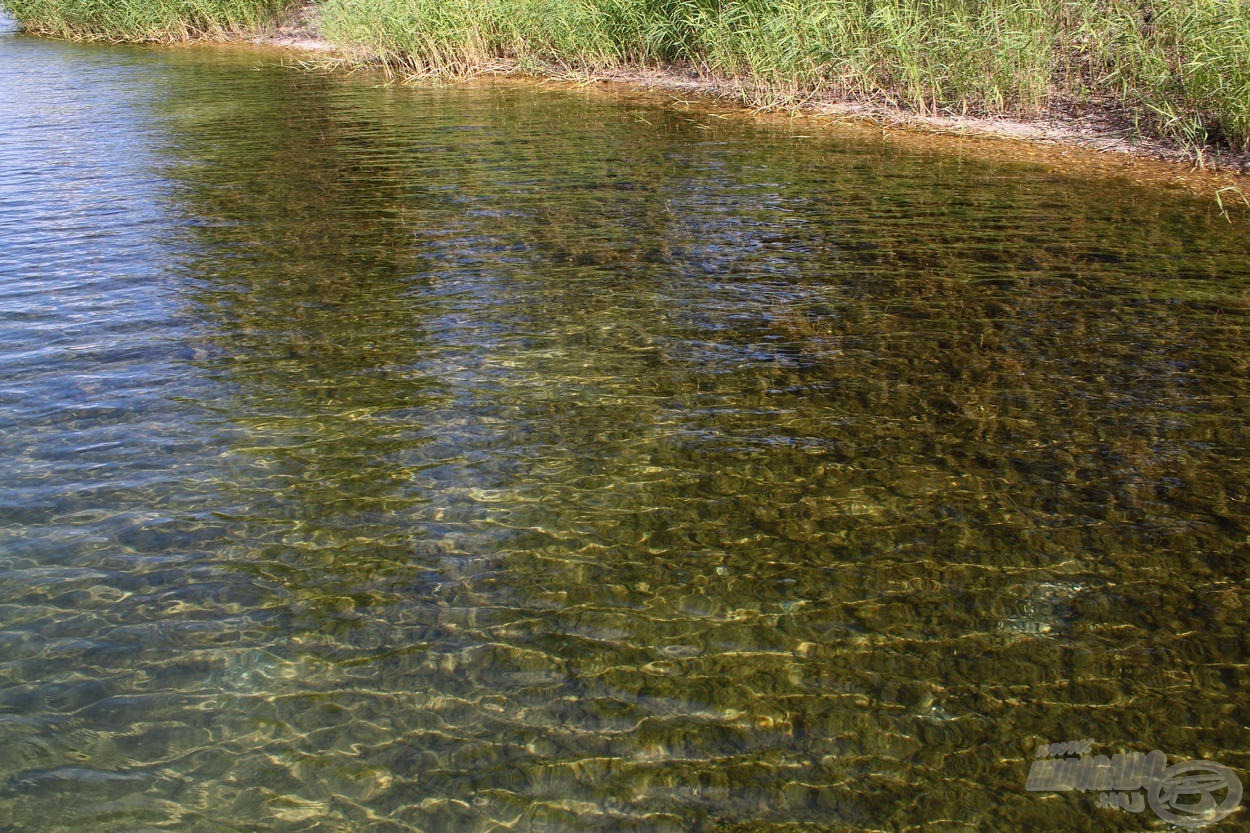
(492, 458)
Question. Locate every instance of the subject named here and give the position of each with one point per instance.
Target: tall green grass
(1183, 66)
(142, 20)
(1178, 67)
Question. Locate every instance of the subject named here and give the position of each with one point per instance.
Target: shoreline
(1093, 138)
(1097, 130)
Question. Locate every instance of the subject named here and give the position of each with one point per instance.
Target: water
(490, 457)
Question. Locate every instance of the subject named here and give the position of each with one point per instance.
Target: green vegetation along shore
(1179, 69)
(143, 20)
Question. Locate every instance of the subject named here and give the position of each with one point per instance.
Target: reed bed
(164, 21)
(1178, 68)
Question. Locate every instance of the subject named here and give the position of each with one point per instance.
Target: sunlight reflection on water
(483, 457)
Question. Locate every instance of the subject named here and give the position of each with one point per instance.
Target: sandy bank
(1089, 138)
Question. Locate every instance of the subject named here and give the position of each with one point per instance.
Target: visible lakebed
(495, 456)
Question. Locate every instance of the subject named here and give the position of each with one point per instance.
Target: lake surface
(485, 457)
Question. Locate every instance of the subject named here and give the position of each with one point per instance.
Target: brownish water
(480, 458)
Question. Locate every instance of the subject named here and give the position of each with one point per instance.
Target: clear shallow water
(482, 458)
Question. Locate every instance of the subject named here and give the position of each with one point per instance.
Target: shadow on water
(572, 466)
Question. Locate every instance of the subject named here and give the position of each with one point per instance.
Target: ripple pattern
(494, 458)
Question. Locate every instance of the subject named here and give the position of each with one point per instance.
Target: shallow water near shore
(479, 457)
